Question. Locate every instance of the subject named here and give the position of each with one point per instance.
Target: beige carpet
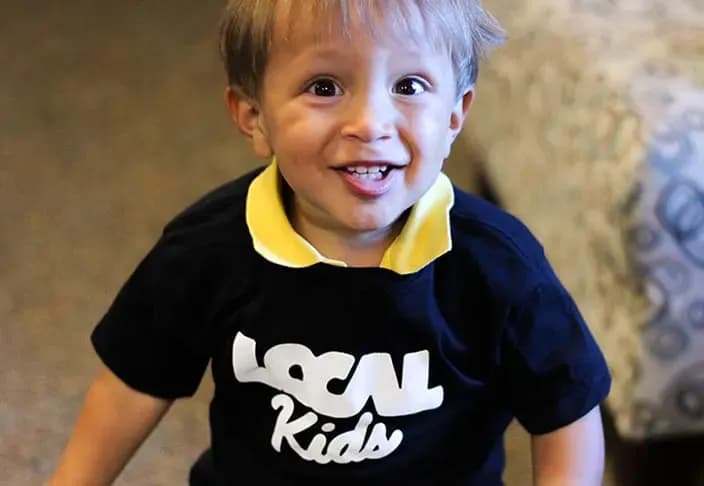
(111, 120)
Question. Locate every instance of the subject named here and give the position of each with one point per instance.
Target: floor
(111, 120)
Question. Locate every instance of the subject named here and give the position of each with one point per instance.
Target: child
(366, 322)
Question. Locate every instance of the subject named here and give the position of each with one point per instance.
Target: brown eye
(325, 88)
(410, 87)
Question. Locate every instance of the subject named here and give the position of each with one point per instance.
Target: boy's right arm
(113, 423)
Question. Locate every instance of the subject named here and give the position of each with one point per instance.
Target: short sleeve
(151, 336)
(552, 369)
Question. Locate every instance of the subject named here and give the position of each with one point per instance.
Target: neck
(356, 249)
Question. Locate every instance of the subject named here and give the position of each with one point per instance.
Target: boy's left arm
(572, 455)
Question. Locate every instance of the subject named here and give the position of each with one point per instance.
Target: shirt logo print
(374, 377)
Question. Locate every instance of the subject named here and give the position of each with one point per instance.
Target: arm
(113, 423)
(572, 455)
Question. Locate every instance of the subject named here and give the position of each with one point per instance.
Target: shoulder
(220, 212)
(496, 248)
(209, 236)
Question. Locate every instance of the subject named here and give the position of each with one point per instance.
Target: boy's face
(359, 129)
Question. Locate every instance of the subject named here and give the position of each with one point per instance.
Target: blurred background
(589, 125)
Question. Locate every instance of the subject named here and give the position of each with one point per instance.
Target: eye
(325, 88)
(410, 87)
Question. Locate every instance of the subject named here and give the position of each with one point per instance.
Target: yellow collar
(424, 237)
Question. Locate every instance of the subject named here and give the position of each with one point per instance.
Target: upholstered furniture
(591, 125)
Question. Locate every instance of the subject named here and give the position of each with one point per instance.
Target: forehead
(299, 23)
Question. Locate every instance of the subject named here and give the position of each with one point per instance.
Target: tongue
(368, 186)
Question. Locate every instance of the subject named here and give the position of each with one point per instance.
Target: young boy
(366, 322)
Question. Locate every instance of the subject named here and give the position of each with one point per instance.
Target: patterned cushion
(592, 121)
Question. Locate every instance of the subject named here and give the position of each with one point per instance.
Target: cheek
(298, 132)
(427, 137)
(297, 145)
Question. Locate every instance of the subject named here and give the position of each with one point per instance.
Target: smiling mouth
(369, 179)
(369, 172)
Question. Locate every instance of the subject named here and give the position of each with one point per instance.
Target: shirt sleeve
(553, 371)
(152, 336)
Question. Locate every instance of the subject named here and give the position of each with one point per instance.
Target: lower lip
(369, 187)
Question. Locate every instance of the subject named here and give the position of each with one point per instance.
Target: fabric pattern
(592, 121)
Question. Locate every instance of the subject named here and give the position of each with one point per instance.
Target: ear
(459, 112)
(246, 115)
(458, 116)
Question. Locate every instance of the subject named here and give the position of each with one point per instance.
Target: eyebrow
(325, 50)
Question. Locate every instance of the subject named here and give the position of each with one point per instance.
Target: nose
(368, 117)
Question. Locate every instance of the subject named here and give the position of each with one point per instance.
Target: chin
(367, 221)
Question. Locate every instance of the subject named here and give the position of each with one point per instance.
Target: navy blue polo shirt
(408, 373)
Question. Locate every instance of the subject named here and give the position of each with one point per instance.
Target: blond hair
(462, 27)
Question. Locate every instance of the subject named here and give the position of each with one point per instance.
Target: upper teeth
(367, 169)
